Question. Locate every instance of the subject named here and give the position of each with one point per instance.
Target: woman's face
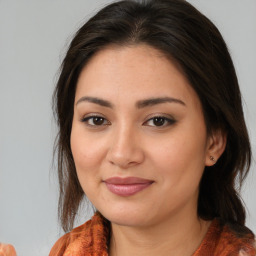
(138, 136)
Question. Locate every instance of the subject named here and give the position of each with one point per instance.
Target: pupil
(98, 120)
(158, 121)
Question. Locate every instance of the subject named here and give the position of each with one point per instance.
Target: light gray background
(33, 38)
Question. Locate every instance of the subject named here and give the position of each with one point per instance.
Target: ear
(216, 145)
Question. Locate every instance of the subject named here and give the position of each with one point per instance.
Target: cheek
(85, 150)
(87, 156)
(181, 157)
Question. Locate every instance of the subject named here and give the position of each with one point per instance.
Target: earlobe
(216, 146)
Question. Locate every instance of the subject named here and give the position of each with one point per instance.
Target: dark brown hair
(181, 32)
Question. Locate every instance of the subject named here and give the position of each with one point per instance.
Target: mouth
(127, 186)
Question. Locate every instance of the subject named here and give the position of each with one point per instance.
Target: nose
(125, 149)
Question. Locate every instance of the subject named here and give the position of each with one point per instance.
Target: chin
(125, 216)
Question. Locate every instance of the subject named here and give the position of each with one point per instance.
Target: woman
(151, 130)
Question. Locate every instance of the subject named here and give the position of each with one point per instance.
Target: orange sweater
(91, 238)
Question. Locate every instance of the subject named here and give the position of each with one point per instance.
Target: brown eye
(95, 121)
(159, 121)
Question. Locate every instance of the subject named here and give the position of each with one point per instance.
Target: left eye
(159, 121)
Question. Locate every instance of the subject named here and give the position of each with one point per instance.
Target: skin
(127, 143)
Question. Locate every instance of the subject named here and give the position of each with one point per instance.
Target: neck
(175, 236)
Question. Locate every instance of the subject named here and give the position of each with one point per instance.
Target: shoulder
(82, 239)
(61, 245)
(235, 238)
(225, 239)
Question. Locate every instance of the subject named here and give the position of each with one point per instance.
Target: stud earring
(212, 158)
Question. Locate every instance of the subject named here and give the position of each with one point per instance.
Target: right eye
(95, 121)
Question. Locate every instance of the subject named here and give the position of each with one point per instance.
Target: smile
(127, 186)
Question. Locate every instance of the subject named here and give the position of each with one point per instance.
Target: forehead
(133, 72)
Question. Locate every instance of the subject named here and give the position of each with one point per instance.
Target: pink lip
(127, 186)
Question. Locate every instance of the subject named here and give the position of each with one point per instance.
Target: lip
(127, 186)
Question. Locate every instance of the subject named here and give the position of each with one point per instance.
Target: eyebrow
(139, 104)
(98, 101)
(155, 101)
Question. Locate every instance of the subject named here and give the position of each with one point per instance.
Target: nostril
(126, 158)
(125, 148)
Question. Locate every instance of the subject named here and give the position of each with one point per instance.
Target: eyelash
(91, 118)
(165, 121)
